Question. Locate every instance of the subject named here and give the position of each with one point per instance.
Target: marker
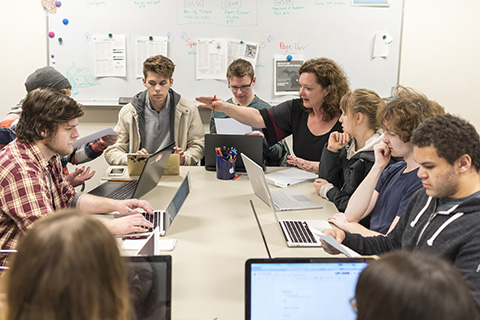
(213, 107)
(120, 180)
(238, 175)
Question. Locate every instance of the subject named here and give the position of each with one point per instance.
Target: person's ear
(254, 79)
(464, 163)
(360, 117)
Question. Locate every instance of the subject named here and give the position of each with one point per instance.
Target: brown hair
(159, 64)
(364, 101)
(240, 68)
(328, 73)
(414, 286)
(406, 111)
(68, 267)
(451, 136)
(42, 111)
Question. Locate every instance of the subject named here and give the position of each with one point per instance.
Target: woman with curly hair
(309, 119)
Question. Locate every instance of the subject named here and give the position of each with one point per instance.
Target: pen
(120, 180)
(213, 107)
(238, 175)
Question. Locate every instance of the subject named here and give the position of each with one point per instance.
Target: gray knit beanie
(47, 77)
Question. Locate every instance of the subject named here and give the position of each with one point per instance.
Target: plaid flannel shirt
(27, 194)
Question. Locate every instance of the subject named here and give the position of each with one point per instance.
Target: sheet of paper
(382, 41)
(133, 244)
(242, 49)
(147, 47)
(231, 126)
(286, 75)
(109, 55)
(94, 136)
(289, 177)
(212, 58)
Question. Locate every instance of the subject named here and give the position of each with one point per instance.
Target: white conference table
(216, 233)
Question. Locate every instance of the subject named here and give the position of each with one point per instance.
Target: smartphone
(115, 172)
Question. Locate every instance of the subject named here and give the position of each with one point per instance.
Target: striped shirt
(31, 187)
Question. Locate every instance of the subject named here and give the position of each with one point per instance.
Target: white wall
(440, 55)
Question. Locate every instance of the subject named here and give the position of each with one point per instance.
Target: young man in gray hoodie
(443, 217)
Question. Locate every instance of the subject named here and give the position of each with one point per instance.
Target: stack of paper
(289, 177)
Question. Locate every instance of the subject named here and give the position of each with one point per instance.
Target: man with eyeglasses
(241, 79)
(156, 117)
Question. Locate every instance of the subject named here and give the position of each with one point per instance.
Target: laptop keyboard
(281, 201)
(155, 218)
(124, 192)
(298, 231)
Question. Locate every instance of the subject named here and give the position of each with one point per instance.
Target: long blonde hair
(68, 267)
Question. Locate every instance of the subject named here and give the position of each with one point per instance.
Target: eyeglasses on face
(143, 275)
(241, 87)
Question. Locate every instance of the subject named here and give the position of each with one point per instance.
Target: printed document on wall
(147, 47)
(212, 58)
(109, 55)
(240, 49)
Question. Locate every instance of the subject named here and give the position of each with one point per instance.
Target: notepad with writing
(289, 177)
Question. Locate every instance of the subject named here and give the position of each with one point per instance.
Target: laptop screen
(150, 281)
(301, 288)
(177, 201)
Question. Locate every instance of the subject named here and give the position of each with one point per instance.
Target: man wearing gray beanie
(49, 77)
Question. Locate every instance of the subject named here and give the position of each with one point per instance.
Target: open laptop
(280, 200)
(148, 179)
(250, 145)
(163, 219)
(301, 288)
(150, 282)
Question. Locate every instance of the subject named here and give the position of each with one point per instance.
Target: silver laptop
(279, 200)
(148, 179)
(163, 219)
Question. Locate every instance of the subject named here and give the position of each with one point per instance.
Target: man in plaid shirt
(32, 182)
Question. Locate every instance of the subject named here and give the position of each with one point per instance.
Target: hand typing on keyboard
(133, 221)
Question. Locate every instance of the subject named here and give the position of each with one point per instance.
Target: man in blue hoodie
(443, 217)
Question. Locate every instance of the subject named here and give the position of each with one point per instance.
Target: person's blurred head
(48, 77)
(360, 105)
(322, 84)
(415, 286)
(144, 285)
(241, 79)
(68, 266)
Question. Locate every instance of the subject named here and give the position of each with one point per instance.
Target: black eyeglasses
(241, 87)
(143, 275)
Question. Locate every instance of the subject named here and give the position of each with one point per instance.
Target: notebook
(251, 145)
(301, 288)
(163, 219)
(150, 282)
(148, 179)
(280, 200)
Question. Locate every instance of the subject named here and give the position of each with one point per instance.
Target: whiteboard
(300, 28)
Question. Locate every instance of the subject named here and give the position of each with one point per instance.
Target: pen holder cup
(225, 169)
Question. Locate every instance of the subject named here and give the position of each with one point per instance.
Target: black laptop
(150, 282)
(251, 145)
(301, 288)
(148, 179)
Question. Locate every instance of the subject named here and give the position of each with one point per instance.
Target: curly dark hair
(42, 111)
(406, 111)
(328, 73)
(451, 136)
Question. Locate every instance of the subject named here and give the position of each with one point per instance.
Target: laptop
(150, 282)
(250, 145)
(301, 288)
(148, 179)
(297, 233)
(280, 200)
(163, 219)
